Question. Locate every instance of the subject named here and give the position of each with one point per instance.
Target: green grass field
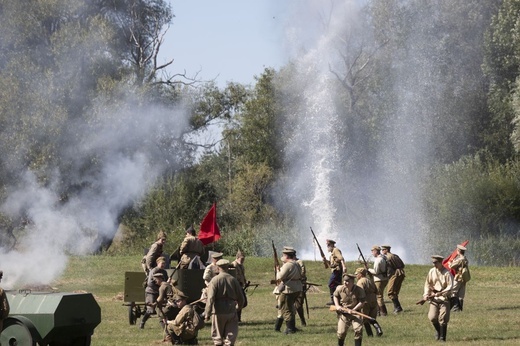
(491, 311)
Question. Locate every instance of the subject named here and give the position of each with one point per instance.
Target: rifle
(364, 260)
(322, 254)
(249, 284)
(350, 312)
(276, 263)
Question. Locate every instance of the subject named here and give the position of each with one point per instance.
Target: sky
(228, 40)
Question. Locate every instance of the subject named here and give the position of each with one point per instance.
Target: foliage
(476, 198)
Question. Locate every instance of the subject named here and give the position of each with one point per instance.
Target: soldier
(191, 250)
(349, 297)
(155, 251)
(240, 274)
(165, 300)
(300, 300)
(225, 296)
(437, 289)
(338, 267)
(290, 288)
(4, 304)
(459, 283)
(395, 270)
(212, 269)
(370, 306)
(155, 278)
(380, 278)
(184, 328)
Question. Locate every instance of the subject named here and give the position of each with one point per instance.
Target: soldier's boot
(278, 324)
(437, 327)
(341, 342)
(301, 314)
(455, 304)
(239, 315)
(145, 318)
(444, 330)
(357, 342)
(384, 312)
(461, 303)
(368, 329)
(290, 327)
(397, 306)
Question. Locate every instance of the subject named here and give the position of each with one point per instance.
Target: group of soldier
(358, 298)
(223, 295)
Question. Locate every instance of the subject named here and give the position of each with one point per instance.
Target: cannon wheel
(19, 332)
(134, 312)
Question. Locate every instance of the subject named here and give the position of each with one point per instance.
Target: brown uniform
(179, 324)
(349, 299)
(224, 297)
(290, 275)
(370, 307)
(379, 272)
(395, 269)
(459, 285)
(438, 288)
(153, 254)
(190, 247)
(240, 273)
(165, 300)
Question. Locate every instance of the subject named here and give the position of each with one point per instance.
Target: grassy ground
(491, 311)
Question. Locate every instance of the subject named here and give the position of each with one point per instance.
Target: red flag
(209, 231)
(454, 254)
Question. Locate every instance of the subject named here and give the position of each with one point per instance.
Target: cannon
(50, 319)
(189, 281)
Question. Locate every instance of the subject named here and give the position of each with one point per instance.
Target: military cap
(240, 254)
(214, 255)
(361, 271)
(330, 241)
(179, 296)
(158, 275)
(385, 247)
(348, 277)
(460, 247)
(289, 250)
(437, 258)
(224, 263)
(375, 247)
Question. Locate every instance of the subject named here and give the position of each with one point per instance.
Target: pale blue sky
(230, 40)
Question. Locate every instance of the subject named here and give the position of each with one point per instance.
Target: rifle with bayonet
(249, 284)
(364, 260)
(354, 313)
(322, 254)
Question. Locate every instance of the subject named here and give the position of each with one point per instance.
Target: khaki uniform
(349, 299)
(440, 283)
(153, 254)
(190, 247)
(370, 307)
(152, 289)
(240, 273)
(379, 273)
(335, 261)
(290, 275)
(224, 297)
(395, 269)
(165, 302)
(459, 285)
(300, 300)
(210, 272)
(178, 325)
